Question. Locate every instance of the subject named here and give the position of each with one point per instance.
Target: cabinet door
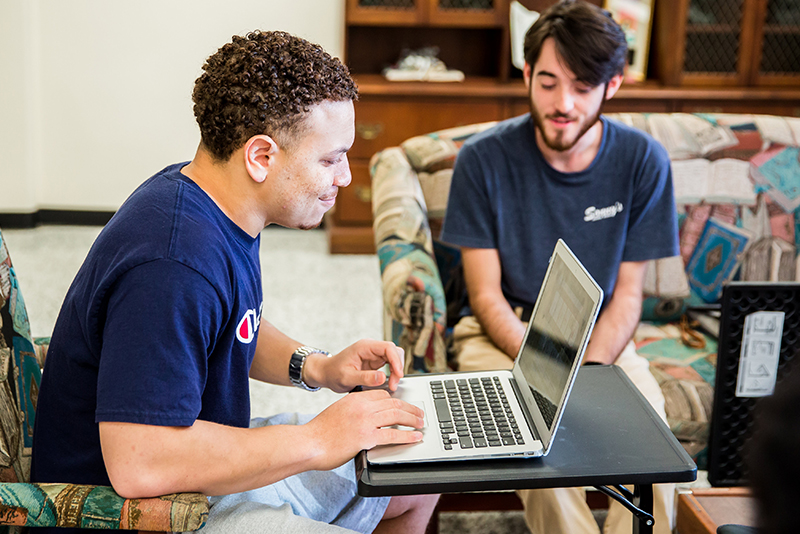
(778, 50)
(706, 42)
(719, 41)
(389, 12)
(475, 13)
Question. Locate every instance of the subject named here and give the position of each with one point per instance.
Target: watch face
(296, 363)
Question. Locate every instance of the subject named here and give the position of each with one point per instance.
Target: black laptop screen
(563, 314)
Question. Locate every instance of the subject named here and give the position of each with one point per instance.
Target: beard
(558, 143)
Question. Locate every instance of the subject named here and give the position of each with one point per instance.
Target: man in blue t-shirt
(562, 171)
(146, 386)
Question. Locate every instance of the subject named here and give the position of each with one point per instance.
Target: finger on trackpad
(419, 403)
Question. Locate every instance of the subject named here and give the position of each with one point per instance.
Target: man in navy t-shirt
(562, 171)
(146, 384)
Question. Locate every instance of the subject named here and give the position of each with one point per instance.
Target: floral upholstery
(23, 504)
(98, 507)
(420, 275)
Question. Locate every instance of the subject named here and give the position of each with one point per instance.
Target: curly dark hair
(264, 83)
(591, 43)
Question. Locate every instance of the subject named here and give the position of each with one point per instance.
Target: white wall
(95, 95)
(16, 106)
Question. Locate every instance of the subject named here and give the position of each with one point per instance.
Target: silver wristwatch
(297, 362)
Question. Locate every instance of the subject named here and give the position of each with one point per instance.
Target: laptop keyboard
(474, 413)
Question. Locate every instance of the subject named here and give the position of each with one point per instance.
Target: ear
(260, 152)
(526, 75)
(613, 86)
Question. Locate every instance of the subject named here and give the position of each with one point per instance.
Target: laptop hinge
(524, 406)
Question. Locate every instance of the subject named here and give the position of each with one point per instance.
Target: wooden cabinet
(704, 510)
(460, 13)
(473, 36)
(397, 12)
(728, 42)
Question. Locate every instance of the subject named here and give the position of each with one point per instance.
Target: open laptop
(502, 413)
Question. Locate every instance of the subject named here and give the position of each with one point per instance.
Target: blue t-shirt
(504, 195)
(159, 327)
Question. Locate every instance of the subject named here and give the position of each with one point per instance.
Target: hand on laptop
(362, 421)
(358, 365)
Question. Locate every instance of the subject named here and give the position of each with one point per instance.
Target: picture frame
(636, 19)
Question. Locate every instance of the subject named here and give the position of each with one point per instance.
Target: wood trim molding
(66, 217)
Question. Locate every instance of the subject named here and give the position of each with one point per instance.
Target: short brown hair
(264, 83)
(589, 41)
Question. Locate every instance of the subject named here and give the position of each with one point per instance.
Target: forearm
(273, 351)
(499, 322)
(614, 329)
(146, 461)
(483, 276)
(349, 368)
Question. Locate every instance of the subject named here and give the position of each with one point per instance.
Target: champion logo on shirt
(592, 214)
(248, 326)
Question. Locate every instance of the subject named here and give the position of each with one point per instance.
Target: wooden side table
(703, 510)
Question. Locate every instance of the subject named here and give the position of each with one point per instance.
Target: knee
(411, 505)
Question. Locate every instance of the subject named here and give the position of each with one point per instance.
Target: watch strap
(298, 361)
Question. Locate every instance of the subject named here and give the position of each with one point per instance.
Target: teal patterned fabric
(20, 375)
(98, 507)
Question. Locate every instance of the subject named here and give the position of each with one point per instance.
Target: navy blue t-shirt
(159, 328)
(504, 195)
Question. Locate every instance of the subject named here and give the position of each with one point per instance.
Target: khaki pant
(564, 510)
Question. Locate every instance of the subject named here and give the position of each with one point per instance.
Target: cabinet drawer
(354, 202)
(381, 123)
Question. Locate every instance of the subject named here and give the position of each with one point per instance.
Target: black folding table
(609, 436)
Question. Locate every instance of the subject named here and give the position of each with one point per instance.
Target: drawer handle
(368, 131)
(363, 193)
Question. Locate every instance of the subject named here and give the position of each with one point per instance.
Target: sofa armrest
(40, 346)
(82, 506)
(413, 297)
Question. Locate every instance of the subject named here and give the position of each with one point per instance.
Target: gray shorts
(314, 501)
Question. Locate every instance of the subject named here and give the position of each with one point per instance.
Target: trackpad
(419, 403)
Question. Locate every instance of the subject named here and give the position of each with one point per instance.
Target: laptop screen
(564, 312)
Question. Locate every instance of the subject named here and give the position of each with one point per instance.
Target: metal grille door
(466, 4)
(713, 34)
(387, 3)
(781, 46)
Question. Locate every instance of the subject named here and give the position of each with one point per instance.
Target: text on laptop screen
(565, 309)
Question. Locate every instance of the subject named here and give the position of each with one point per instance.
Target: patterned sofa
(735, 172)
(23, 504)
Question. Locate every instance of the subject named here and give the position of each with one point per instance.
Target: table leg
(643, 499)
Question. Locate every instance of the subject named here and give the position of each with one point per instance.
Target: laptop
(508, 413)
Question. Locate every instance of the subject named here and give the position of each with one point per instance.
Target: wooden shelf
(712, 28)
(782, 28)
(377, 85)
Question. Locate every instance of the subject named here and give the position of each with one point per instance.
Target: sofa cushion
(686, 376)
